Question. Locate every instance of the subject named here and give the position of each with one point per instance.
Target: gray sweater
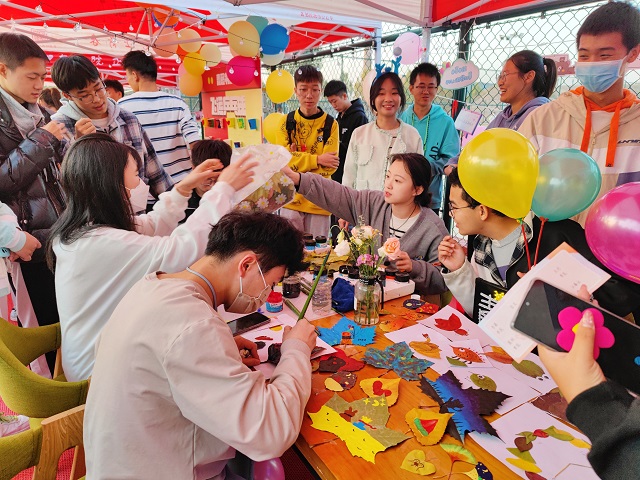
(420, 241)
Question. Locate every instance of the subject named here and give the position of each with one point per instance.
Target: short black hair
(15, 49)
(428, 69)
(205, 149)
(613, 17)
(140, 62)
(377, 86)
(308, 74)
(335, 87)
(75, 71)
(454, 181)
(419, 169)
(274, 239)
(115, 84)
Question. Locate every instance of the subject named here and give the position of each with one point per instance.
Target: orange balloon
(167, 36)
(190, 40)
(211, 53)
(190, 85)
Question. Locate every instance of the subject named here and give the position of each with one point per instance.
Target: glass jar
(291, 286)
(367, 301)
(321, 300)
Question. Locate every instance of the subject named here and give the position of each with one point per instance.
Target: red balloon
(268, 470)
(613, 230)
(242, 70)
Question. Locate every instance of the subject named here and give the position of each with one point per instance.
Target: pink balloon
(181, 69)
(268, 470)
(613, 230)
(241, 70)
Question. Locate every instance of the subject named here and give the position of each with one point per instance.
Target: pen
(293, 308)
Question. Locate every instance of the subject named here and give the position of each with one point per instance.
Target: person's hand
(575, 371)
(56, 129)
(240, 173)
(451, 254)
(248, 351)
(294, 176)
(84, 126)
(208, 169)
(329, 160)
(403, 262)
(29, 247)
(448, 169)
(302, 330)
(343, 224)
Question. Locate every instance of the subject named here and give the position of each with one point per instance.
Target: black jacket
(348, 121)
(29, 177)
(617, 295)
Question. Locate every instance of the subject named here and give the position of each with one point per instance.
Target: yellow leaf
(332, 385)
(580, 443)
(524, 465)
(381, 385)
(422, 425)
(415, 462)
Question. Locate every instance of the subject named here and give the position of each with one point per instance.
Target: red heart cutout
(428, 425)
(378, 390)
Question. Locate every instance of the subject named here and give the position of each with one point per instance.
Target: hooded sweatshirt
(561, 124)
(125, 128)
(349, 120)
(440, 142)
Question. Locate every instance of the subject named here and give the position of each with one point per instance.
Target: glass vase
(367, 301)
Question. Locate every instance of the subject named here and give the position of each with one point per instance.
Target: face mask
(598, 77)
(138, 197)
(244, 303)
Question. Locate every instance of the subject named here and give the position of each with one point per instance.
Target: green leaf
(526, 456)
(559, 434)
(456, 362)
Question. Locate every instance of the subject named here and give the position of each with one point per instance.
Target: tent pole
(425, 43)
(377, 36)
(464, 50)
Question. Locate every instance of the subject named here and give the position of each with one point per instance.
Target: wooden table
(329, 456)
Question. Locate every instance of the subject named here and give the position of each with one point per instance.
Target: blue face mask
(598, 77)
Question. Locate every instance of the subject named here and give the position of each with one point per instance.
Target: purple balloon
(613, 230)
(268, 470)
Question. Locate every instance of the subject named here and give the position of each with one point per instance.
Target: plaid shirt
(484, 255)
(134, 136)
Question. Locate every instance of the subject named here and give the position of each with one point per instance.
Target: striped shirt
(168, 123)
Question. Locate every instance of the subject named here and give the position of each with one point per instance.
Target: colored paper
(349, 332)
(535, 442)
(397, 357)
(428, 426)
(415, 462)
(253, 124)
(456, 326)
(360, 424)
(376, 387)
(466, 404)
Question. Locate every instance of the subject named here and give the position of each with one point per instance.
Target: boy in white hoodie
(601, 118)
(90, 110)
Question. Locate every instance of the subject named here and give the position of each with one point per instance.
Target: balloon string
(526, 243)
(542, 222)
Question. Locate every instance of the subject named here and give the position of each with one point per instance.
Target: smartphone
(538, 319)
(248, 322)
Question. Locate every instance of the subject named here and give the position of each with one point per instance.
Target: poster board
(232, 113)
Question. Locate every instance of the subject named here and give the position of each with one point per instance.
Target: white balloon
(273, 60)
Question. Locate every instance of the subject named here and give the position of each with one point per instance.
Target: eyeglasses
(88, 97)
(422, 88)
(452, 209)
(503, 76)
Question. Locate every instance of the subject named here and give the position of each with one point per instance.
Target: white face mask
(598, 77)
(244, 303)
(138, 197)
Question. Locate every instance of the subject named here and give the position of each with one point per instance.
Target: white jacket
(97, 270)
(560, 124)
(367, 157)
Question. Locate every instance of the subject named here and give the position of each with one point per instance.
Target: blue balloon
(274, 39)
(569, 181)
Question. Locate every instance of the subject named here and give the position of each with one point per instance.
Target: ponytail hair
(545, 71)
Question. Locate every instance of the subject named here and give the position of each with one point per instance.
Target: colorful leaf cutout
(524, 465)
(559, 434)
(458, 453)
(381, 385)
(534, 476)
(399, 358)
(499, 355)
(576, 442)
(415, 462)
(529, 368)
(483, 472)
(393, 324)
(456, 362)
(524, 444)
(526, 456)
(428, 426)
(426, 348)
(484, 382)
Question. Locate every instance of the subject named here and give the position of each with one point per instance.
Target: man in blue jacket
(439, 136)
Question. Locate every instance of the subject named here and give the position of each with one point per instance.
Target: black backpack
(291, 127)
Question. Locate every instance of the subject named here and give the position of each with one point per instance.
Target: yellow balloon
(271, 125)
(190, 85)
(211, 53)
(280, 86)
(194, 63)
(244, 39)
(167, 36)
(499, 169)
(190, 40)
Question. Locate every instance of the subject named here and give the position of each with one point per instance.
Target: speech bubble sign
(459, 75)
